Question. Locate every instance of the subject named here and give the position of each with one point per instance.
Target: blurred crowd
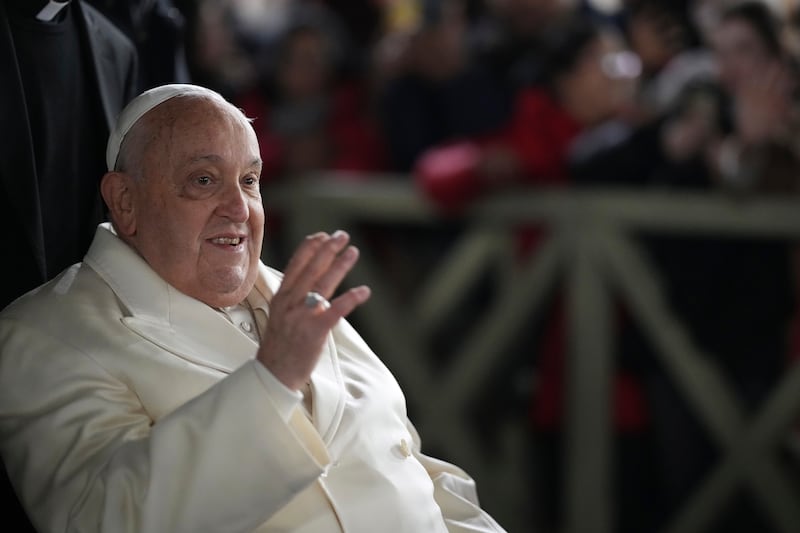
(468, 97)
(473, 95)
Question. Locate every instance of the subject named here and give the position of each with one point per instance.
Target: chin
(228, 288)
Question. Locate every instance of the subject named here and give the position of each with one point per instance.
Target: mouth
(232, 241)
(227, 241)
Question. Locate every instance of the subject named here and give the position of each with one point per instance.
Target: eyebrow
(214, 158)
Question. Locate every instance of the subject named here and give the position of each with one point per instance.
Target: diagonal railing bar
(705, 389)
(772, 490)
(749, 461)
(471, 256)
(708, 394)
(765, 433)
(521, 298)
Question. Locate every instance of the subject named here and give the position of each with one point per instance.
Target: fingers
(327, 257)
(327, 283)
(320, 264)
(345, 303)
(340, 307)
(304, 253)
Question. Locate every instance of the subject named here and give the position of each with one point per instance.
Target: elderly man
(171, 382)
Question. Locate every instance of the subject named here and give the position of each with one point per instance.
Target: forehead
(191, 125)
(178, 115)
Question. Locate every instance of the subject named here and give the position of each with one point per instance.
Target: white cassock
(126, 405)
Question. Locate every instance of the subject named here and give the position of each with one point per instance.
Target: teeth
(227, 240)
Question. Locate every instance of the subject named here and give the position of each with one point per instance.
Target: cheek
(256, 222)
(257, 215)
(176, 232)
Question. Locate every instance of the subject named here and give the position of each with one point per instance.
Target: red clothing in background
(353, 139)
(540, 134)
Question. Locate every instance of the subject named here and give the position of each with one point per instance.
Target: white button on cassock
(404, 448)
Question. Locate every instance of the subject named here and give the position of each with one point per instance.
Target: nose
(233, 204)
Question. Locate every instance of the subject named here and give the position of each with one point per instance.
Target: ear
(118, 193)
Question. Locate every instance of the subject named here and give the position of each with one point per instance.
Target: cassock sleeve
(84, 456)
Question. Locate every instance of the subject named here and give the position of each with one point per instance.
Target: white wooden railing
(591, 247)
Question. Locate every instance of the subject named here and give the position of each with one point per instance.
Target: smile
(232, 241)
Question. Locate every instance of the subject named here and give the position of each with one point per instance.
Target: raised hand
(296, 331)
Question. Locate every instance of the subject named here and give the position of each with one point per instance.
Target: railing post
(588, 478)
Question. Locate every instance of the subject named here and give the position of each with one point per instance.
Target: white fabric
(284, 399)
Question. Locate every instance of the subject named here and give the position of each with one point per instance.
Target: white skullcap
(143, 103)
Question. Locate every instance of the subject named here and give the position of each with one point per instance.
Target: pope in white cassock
(172, 382)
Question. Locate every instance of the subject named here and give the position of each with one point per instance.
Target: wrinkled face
(197, 216)
(740, 53)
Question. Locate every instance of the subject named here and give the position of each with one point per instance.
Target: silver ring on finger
(315, 299)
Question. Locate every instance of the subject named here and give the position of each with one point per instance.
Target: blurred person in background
(760, 77)
(582, 79)
(310, 113)
(362, 21)
(509, 31)
(432, 90)
(664, 35)
(677, 110)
